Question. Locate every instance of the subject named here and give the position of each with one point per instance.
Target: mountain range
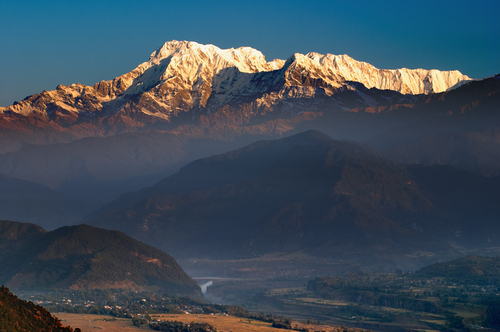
(326, 152)
(85, 257)
(185, 82)
(313, 194)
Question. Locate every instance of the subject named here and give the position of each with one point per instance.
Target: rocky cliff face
(186, 78)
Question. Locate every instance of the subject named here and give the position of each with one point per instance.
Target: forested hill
(13, 235)
(19, 315)
(473, 270)
(85, 257)
(12, 230)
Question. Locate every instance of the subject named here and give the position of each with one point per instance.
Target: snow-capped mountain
(187, 78)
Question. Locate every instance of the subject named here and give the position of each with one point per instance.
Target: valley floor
(88, 323)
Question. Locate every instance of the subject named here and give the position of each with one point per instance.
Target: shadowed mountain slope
(19, 315)
(478, 152)
(306, 192)
(218, 170)
(474, 106)
(87, 257)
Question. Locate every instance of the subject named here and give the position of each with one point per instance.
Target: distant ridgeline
(85, 257)
(19, 315)
(472, 270)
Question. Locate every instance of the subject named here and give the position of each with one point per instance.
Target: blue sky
(46, 43)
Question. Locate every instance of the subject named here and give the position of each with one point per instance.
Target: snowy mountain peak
(246, 59)
(406, 81)
(181, 76)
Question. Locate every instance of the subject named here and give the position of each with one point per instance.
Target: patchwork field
(236, 324)
(93, 323)
(88, 323)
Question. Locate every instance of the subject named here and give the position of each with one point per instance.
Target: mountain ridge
(99, 169)
(94, 143)
(323, 197)
(183, 80)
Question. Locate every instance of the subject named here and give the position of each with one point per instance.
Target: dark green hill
(85, 257)
(13, 230)
(14, 235)
(308, 192)
(19, 315)
(470, 270)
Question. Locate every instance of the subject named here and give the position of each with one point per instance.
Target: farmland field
(98, 322)
(92, 323)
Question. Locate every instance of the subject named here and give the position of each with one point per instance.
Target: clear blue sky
(46, 43)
